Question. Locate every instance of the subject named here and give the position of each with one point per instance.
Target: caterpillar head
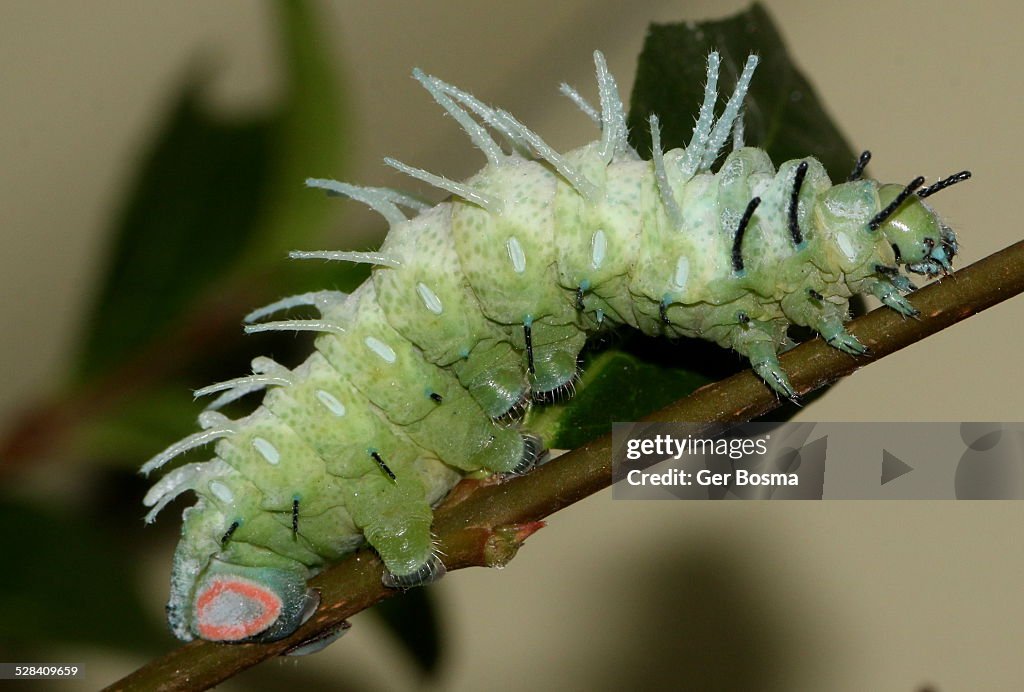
(917, 235)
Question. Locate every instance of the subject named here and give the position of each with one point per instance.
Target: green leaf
(194, 205)
(307, 141)
(216, 197)
(616, 385)
(63, 581)
(412, 620)
(142, 423)
(783, 115)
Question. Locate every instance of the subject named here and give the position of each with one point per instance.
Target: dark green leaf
(63, 581)
(782, 115)
(307, 140)
(412, 619)
(195, 204)
(142, 423)
(214, 196)
(616, 385)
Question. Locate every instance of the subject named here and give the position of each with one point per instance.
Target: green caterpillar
(481, 304)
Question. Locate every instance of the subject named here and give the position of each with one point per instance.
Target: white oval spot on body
(682, 272)
(846, 246)
(222, 492)
(516, 254)
(598, 248)
(380, 348)
(331, 402)
(429, 298)
(267, 450)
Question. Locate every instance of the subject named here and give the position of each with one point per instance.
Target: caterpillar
(481, 304)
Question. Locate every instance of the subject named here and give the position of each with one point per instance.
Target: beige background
(789, 596)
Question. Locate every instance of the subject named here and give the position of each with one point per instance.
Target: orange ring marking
(249, 590)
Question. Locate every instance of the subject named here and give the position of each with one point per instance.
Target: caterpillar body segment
(482, 303)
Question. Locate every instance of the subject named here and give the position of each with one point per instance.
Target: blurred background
(726, 595)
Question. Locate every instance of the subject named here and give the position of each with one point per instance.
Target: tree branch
(484, 523)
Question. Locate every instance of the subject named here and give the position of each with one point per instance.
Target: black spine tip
(437, 398)
(295, 517)
(858, 168)
(663, 312)
(794, 200)
(944, 183)
(579, 299)
(737, 243)
(814, 294)
(229, 533)
(383, 467)
(528, 338)
(881, 216)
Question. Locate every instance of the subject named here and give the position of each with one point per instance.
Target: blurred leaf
(214, 196)
(307, 140)
(140, 425)
(195, 204)
(782, 115)
(412, 619)
(63, 581)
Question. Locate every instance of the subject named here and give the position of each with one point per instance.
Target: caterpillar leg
(890, 296)
(760, 342)
(834, 333)
(402, 539)
(765, 362)
(430, 571)
(494, 378)
(510, 452)
(533, 450)
(903, 284)
(813, 311)
(555, 371)
(550, 352)
(320, 642)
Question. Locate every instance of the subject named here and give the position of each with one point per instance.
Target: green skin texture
(488, 275)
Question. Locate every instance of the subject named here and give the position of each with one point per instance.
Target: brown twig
(484, 524)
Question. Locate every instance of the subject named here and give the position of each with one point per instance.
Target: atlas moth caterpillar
(482, 303)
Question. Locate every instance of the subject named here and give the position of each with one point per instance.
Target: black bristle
(858, 169)
(794, 199)
(881, 216)
(737, 243)
(382, 465)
